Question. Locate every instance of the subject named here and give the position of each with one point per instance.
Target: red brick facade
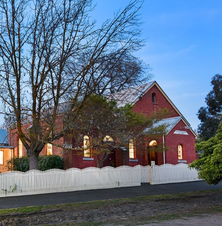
(150, 100)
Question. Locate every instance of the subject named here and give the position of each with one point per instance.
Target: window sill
(133, 160)
(88, 159)
(182, 161)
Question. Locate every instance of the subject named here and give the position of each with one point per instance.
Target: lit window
(132, 154)
(1, 157)
(86, 146)
(153, 143)
(20, 148)
(180, 151)
(49, 149)
(153, 97)
(108, 138)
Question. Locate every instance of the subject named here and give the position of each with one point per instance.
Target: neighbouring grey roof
(3, 136)
(130, 95)
(168, 122)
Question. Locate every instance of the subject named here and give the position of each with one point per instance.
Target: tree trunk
(33, 161)
(100, 161)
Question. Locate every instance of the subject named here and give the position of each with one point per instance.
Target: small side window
(153, 97)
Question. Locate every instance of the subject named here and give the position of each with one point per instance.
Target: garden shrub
(45, 162)
(50, 162)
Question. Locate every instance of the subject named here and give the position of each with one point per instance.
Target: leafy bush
(50, 162)
(18, 164)
(209, 165)
(45, 162)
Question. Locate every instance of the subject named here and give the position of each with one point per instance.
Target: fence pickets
(16, 183)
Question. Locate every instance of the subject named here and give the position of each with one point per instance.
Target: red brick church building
(176, 146)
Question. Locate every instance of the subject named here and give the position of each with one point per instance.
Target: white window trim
(88, 159)
(1, 157)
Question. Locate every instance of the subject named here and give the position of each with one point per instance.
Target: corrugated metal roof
(130, 95)
(168, 122)
(3, 136)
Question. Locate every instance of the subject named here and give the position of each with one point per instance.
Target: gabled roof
(130, 95)
(134, 94)
(169, 123)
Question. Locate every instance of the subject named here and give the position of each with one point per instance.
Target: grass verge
(135, 200)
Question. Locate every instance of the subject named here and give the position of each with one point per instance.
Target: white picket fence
(37, 182)
(16, 183)
(168, 173)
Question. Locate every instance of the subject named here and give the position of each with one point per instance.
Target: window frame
(87, 152)
(180, 156)
(132, 149)
(154, 99)
(48, 147)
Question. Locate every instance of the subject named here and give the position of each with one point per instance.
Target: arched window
(153, 97)
(108, 138)
(132, 153)
(152, 143)
(152, 151)
(86, 146)
(180, 151)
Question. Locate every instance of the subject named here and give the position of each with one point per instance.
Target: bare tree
(51, 53)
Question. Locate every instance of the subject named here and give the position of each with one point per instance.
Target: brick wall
(145, 105)
(188, 142)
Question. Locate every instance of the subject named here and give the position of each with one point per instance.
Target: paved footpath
(103, 194)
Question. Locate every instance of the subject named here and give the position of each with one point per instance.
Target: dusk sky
(183, 48)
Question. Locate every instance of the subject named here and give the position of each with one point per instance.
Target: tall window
(180, 151)
(152, 151)
(132, 154)
(86, 146)
(49, 149)
(153, 97)
(20, 148)
(1, 157)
